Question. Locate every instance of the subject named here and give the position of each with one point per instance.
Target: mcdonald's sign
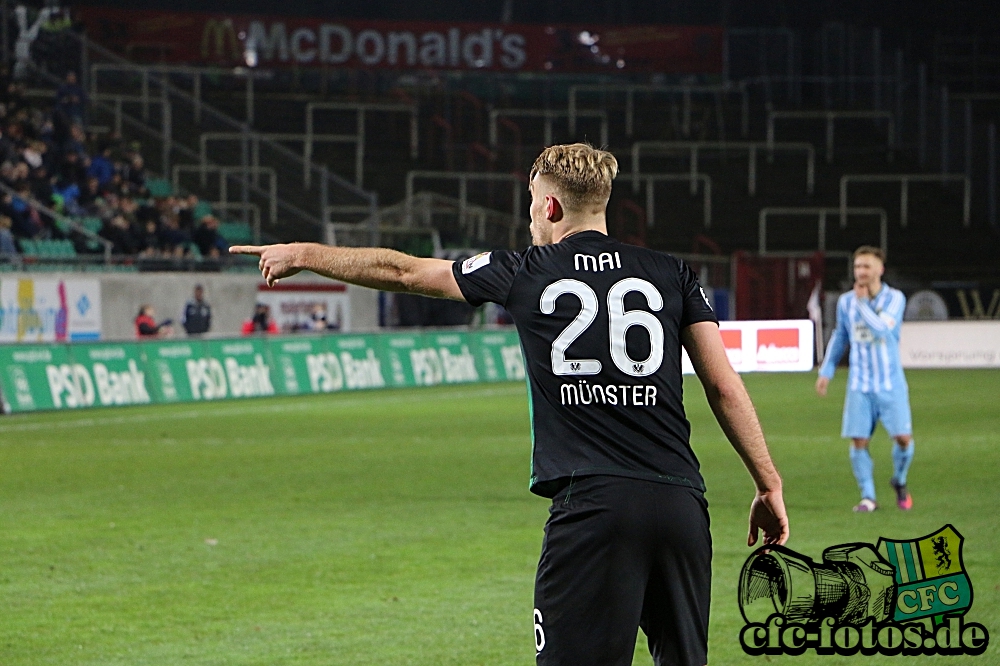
(220, 34)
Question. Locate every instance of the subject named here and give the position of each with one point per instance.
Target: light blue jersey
(870, 326)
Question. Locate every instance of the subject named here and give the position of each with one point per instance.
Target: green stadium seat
(28, 247)
(92, 224)
(159, 187)
(236, 233)
(201, 210)
(193, 251)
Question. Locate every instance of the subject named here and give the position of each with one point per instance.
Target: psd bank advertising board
(36, 377)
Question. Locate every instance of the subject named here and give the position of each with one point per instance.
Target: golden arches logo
(222, 35)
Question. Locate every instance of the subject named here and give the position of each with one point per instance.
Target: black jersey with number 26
(599, 323)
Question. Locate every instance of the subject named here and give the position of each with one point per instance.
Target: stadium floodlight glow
(587, 38)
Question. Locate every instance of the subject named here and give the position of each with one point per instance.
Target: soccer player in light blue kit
(868, 322)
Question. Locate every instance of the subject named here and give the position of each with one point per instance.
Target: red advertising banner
(269, 41)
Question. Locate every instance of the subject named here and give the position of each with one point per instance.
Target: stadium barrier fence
(38, 377)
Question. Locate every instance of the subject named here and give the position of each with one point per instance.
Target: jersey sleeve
(886, 322)
(487, 277)
(696, 305)
(839, 342)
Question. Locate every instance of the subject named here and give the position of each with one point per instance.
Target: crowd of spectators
(49, 162)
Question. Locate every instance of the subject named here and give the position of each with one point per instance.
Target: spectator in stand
(173, 241)
(41, 185)
(71, 99)
(101, 167)
(134, 174)
(261, 321)
(33, 154)
(27, 222)
(7, 245)
(14, 98)
(90, 196)
(207, 237)
(149, 240)
(8, 151)
(197, 313)
(46, 158)
(119, 232)
(146, 326)
(76, 143)
(186, 208)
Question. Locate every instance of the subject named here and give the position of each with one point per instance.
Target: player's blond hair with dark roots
(872, 250)
(582, 173)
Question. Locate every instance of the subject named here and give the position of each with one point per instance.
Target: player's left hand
(860, 291)
(767, 514)
(276, 261)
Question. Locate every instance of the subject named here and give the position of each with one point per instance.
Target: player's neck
(874, 288)
(564, 230)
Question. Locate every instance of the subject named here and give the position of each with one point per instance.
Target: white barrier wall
(783, 345)
(232, 297)
(950, 344)
(49, 309)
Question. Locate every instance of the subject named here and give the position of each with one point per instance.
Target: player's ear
(553, 209)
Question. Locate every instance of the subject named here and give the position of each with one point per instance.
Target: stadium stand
(289, 155)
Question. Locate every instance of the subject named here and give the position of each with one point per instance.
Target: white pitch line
(222, 409)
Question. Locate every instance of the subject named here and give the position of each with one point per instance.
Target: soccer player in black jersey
(602, 323)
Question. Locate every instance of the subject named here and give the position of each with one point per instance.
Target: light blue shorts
(862, 411)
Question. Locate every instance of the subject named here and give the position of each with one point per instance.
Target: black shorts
(618, 554)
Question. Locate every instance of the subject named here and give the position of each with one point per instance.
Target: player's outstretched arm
(735, 412)
(376, 268)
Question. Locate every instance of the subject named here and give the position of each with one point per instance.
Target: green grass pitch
(396, 527)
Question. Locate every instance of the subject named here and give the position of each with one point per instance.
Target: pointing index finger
(246, 249)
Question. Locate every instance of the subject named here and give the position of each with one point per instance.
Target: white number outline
(583, 320)
(619, 321)
(539, 632)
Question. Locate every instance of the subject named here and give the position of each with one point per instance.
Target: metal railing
(904, 180)
(196, 74)
(463, 178)
(549, 115)
(650, 180)
(59, 218)
(685, 91)
(968, 100)
(830, 86)
(251, 142)
(830, 117)
(360, 110)
(333, 191)
(694, 148)
(433, 214)
(354, 235)
(821, 213)
(224, 173)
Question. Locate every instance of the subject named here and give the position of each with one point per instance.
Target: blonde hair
(872, 250)
(582, 173)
